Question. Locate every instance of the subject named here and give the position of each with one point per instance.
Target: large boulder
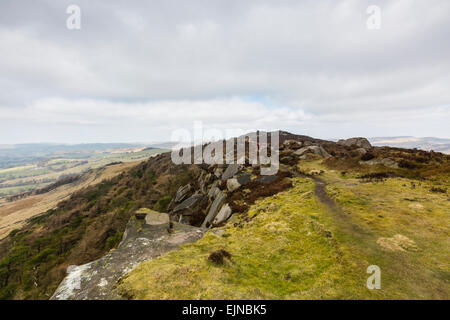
(359, 142)
(233, 184)
(292, 144)
(223, 215)
(231, 171)
(189, 203)
(236, 183)
(188, 208)
(143, 239)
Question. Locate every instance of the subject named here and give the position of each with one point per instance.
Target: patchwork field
(16, 180)
(14, 214)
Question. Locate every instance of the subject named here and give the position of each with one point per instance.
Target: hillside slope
(310, 232)
(13, 214)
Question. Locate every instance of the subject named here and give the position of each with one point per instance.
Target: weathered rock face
(143, 239)
(293, 144)
(182, 193)
(189, 204)
(223, 215)
(230, 172)
(214, 209)
(359, 142)
(361, 151)
(320, 151)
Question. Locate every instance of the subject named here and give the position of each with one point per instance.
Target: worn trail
(343, 219)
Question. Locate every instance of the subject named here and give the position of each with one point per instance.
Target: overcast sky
(137, 71)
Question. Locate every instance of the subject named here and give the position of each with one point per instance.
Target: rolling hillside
(309, 232)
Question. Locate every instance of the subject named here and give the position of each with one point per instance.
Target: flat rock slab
(156, 218)
(189, 203)
(141, 241)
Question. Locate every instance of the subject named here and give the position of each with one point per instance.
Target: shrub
(162, 204)
(43, 256)
(217, 257)
(114, 240)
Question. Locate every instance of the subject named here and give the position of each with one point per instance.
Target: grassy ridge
(291, 246)
(285, 250)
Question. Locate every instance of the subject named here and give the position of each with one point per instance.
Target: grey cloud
(312, 59)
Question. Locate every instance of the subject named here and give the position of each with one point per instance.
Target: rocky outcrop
(145, 237)
(189, 207)
(359, 142)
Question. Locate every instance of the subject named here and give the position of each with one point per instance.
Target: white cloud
(231, 63)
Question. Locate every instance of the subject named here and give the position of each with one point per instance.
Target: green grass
(284, 252)
(295, 247)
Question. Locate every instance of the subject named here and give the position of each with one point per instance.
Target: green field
(36, 175)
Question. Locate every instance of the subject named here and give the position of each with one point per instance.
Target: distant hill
(425, 143)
